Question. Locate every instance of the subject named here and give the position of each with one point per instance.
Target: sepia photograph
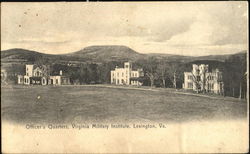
(124, 77)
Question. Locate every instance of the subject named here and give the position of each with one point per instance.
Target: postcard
(124, 77)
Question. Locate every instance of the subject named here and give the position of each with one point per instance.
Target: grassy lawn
(67, 104)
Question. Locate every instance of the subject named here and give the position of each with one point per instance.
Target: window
(117, 74)
(219, 77)
(27, 74)
(122, 74)
(190, 77)
(212, 86)
(190, 85)
(198, 71)
(198, 78)
(56, 81)
(118, 81)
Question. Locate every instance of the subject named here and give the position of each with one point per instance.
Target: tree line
(157, 72)
(165, 74)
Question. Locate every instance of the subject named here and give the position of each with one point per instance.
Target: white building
(39, 75)
(202, 80)
(3, 76)
(126, 76)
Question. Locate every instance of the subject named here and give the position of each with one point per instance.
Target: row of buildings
(40, 75)
(199, 79)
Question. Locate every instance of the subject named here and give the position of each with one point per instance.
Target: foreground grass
(66, 104)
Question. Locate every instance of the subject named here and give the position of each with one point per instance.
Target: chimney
(60, 72)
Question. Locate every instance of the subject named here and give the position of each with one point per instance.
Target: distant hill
(221, 58)
(187, 59)
(100, 54)
(107, 53)
(19, 54)
(170, 57)
(23, 56)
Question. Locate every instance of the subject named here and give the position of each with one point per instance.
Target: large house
(40, 75)
(3, 76)
(200, 79)
(126, 76)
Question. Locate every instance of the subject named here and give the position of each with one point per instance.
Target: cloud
(165, 31)
(216, 25)
(155, 27)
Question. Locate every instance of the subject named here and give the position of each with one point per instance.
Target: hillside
(107, 53)
(169, 57)
(188, 59)
(19, 55)
(22, 56)
(99, 54)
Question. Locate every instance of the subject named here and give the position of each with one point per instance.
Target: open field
(66, 104)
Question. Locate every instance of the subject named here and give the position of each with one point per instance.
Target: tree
(103, 71)
(74, 74)
(83, 74)
(235, 77)
(12, 71)
(162, 72)
(150, 69)
(173, 72)
(92, 76)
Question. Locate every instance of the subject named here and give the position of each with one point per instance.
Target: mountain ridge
(107, 53)
(102, 53)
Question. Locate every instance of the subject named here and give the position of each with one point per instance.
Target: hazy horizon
(130, 48)
(180, 28)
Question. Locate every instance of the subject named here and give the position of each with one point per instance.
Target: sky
(183, 28)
